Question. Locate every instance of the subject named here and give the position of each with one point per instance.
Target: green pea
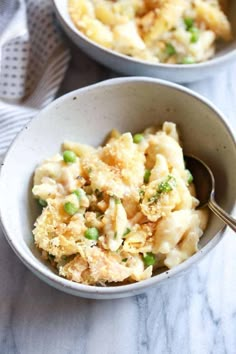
(190, 177)
(137, 138)
(188, 22)
(170, 49)
(147, 175)
(149, 259)
(69, 156)
(70, 208)
(195, 34)
(42, 202)
(188, 60)
(92, 233)
(80, 193)
(124, 259)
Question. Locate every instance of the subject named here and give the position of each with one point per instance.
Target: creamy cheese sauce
(166, 31)
(118, 212)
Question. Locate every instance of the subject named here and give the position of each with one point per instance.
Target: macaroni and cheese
(166, 31)
(119, 212)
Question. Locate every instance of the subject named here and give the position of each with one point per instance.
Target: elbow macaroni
(102, 217)
(170, 31)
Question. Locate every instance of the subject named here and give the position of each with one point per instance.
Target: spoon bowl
(205, 188)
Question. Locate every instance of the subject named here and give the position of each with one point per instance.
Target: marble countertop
(195, 314)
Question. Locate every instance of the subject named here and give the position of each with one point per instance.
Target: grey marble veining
(194, 314)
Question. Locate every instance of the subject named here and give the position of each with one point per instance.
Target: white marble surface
(195, 314)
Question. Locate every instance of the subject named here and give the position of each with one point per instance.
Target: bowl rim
(119, 290)
(214, 61)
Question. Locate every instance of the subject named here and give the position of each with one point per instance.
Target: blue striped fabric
(32, 65)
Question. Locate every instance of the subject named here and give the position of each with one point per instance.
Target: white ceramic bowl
(87, 115)
(130, 66)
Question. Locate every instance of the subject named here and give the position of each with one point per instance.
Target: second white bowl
(131, 66)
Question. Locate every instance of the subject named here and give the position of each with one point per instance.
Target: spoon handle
(222, 214)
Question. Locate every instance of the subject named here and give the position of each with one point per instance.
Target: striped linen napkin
(33, 62)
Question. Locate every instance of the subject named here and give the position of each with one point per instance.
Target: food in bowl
(165, 31)
(119, 212)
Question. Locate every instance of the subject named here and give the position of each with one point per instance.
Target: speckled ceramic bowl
(130, 66)
(87, 115)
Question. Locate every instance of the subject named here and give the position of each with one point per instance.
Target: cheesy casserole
(119, 212)
(165, 31)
